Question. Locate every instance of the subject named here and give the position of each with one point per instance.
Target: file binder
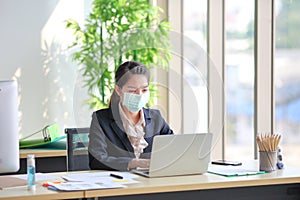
(48, 135)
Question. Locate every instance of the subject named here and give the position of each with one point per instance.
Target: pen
(116, 176)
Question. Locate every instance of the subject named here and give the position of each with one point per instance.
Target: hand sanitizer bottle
(30, 172)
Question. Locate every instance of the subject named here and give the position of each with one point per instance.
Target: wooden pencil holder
(267, 161)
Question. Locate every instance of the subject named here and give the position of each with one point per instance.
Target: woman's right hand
(141, 163)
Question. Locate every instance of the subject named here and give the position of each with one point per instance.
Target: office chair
(77, 149)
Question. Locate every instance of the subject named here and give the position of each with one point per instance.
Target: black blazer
(109, 146)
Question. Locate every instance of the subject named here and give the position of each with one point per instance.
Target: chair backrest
(77, 149)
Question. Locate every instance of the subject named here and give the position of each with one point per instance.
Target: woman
(121, 136)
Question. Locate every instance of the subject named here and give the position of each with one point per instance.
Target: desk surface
(41, 153)
(159, 185)
(200, 182)
(21, 193)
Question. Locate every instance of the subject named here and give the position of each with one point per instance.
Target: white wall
(34, 51)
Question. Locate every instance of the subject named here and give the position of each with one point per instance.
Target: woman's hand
(142, 163)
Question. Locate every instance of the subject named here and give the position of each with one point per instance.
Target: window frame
(264, 67)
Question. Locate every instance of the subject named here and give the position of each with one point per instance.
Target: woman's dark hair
(124, 73)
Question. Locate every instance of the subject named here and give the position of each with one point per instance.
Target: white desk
(41, 193)
(283, 184)
(278, 185)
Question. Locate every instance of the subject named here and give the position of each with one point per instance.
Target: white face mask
(135, 102)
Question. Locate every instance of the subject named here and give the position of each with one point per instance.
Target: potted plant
(115, 31)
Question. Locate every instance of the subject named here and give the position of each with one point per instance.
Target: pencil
(268, 142)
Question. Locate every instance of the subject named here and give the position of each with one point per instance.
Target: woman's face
(137, 84)
(134, 94)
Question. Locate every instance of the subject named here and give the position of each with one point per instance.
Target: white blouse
(135, 132)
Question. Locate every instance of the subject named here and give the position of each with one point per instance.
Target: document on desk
(77, 186)
(231, 171)
(103, 177)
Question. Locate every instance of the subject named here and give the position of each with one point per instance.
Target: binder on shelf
(49, 136)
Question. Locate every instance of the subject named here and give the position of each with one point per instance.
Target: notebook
(174, 155)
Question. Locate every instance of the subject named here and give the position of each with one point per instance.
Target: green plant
(115, 31)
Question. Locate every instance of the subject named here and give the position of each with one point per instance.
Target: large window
(230, 31)
(239, 70)
(194, 66)
(287, 78)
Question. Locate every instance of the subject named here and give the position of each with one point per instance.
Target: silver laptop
(174, 155)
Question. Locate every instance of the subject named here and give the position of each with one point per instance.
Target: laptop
(174, 155)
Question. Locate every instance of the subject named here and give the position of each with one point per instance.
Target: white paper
(103, 177)
(73, 186)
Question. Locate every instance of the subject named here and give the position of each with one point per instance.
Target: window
(239, 86)
(194, 66)
(231, 37)
(287, 78)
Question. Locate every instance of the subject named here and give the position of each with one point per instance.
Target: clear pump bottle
(30, 172)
